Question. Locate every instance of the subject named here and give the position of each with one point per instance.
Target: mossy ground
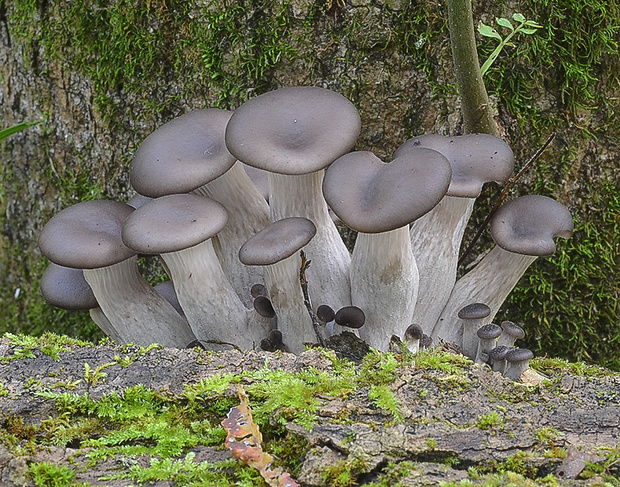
(141, 434)
(159, 54)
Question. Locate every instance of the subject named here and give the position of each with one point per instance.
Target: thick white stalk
(384, 284)
(490, 282)
(101, 320)
(136, 311)
(328, 275)
(248, 214)
(284, 288)
(435, 241)
(212, 307)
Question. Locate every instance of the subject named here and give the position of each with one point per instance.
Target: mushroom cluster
(228, 200)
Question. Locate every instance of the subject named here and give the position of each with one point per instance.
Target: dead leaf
(244, 440)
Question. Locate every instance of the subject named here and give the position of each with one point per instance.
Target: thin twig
(503, 196)
(304, 289)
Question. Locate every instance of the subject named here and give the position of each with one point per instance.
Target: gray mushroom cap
(519, 355)
(263, 306)
(489, 332)
(512, 329)
(474, 311)
(371, 196)
(66, 288)
(528, 224)
(87, 235)
(172, 223)
(475, 159)
(278, 241)
(295, 130)
(499, 352)
(183, 154)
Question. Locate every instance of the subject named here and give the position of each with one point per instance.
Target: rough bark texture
(101, 79)
(441, 433)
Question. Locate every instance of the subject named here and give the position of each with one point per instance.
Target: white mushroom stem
(248, 213)
(101, 320)
(136, 311)
(282, 281)
(469, 343)
(384, 284)
(212, 307)
(490, 282)
(328, 276)
(435, 241)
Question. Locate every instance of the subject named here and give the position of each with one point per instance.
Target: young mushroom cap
(263, 307)
(325, 313)
(294, 130)
(511, 332)
(182, 154)
(350, 317)
(528, 224)
(474, 311)
(517, 362)
(490, 331)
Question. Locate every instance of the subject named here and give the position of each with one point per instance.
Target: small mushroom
(275, 249)
(294, 133)
(511, 332)
(497, 356)
(487, 340)
(523, 230)
(326, 316)
(411, 338)
(518, 361)
(472, 317)
(88, 236)
(263, 307)
(436, 237)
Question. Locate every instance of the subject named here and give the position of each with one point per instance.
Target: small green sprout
(524, 26)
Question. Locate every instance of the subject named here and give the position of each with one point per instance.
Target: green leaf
(4, 133)
(518, 17)
(528, 31)
(488, 31)
(504, 22)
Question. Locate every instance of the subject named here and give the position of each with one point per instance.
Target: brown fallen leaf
(244, 440)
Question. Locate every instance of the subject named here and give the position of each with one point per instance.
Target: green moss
(46, 474)
(49, 343)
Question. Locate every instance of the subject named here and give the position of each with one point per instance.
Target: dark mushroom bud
(475, 159)
(472, 317)
(258, 290)
(326, 316)
(294, 133)
(189, 154)
(276, 248)
(511, 332)
(497, 356)
(180, 228)
(88, 236)
(411, 338)
(380, 200)
(523, 230)
(518, 361)
(263, 307)
(350, 317)
(426, 342)
(487, 339)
